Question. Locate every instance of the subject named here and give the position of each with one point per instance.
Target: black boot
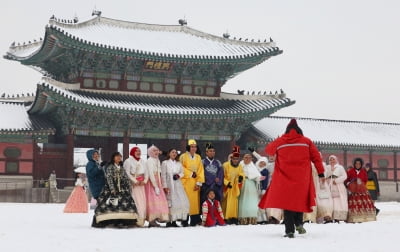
(98, 225)
(185, 223)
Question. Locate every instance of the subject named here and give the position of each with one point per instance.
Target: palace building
(109, 82)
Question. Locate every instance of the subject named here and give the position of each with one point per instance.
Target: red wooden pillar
(68, 173)
(345, 159)
(231, 144)
(125, 149)
(35, 150)
(395, 170)
(183, 144)
(370, 158)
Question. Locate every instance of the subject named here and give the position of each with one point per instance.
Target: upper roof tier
(179, 41)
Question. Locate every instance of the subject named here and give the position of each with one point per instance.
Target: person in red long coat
(292, 187)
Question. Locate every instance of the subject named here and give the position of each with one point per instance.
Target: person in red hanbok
(212, 211)
(361, 206)
(292, 187)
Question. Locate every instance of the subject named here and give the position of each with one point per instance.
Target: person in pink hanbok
(78, 201)
(335, 176)
(135, 169)
(156, 201)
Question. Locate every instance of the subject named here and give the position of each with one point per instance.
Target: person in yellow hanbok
(193, 178)
(233, 179)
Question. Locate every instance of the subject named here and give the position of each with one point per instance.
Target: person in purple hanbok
(213, 173)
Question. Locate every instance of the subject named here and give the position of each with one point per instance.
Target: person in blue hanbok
(213, 173)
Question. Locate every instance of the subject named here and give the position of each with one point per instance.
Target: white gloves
(157, 191)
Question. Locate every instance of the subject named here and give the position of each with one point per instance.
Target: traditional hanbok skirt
(156, 205)
(261, 213)
(248, 202)
(178, 202)
(340, 203)
(324, 203)
(361, 206)
(122, 208)
(77, 201)
(139, 196)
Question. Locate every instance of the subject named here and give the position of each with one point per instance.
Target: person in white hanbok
(274, 215)
(262, 186)
(335, 176)
(248, 199)
(171, 174)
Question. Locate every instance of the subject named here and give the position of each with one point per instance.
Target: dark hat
(293, 125)
(236, 151)
(209, 146)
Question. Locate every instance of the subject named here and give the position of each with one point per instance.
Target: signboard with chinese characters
(157, 65)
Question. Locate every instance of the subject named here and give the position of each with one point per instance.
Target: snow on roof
(15, 118)
(325, 131)
(24, 51)
(168, 104)
(166, 39)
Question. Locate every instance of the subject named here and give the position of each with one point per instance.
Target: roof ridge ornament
(96, 12)
(226, 35)
(182, 22)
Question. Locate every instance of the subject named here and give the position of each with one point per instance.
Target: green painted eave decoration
(68, 42)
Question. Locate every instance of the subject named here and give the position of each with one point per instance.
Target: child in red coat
(212, 211)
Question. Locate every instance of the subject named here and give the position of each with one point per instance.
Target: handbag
(112, 201)
(323, 194)
(335, 192)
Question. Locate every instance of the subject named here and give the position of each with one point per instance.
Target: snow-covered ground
(44, 227)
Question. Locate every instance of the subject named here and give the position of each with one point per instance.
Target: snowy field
(44, 227)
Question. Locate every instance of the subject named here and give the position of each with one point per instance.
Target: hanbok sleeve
(258, 156)
(164, 167)
(109, 178)
(150, 171)
(204, 209)
(129, 169)
(341, 175)
(200, 172)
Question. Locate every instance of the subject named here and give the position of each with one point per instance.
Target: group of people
(184, 188)
(292, 185)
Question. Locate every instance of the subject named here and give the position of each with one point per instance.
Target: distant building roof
(14, 118)
(335, 132)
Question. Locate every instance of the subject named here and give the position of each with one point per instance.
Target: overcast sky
(341, 59)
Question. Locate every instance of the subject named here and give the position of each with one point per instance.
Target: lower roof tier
(16, 120)
(49, 97)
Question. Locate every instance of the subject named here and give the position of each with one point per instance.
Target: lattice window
(12, 163)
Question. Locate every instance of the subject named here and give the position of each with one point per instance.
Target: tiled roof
(167, 40)
(331, 132)
(231, 105)
(16, 119)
